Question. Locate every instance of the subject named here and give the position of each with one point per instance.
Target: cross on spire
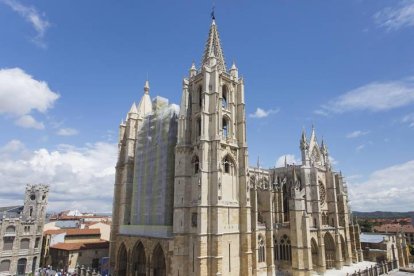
(213, 46)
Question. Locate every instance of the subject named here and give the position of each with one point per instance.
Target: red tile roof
(73, 232)
(393, 228)
(81, 245)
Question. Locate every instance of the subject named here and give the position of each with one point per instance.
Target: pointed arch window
(261, 251)
(196, 164)
(225, 96)
(200, 97)
(225, 127)
(198, 126)
(228, 165)
(285, 249)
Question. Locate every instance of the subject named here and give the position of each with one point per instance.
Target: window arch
(314, 250)
(21, 266)
(225, 96)
(285, 249)
(158, 261)
(285, 202)
(261, 249)
(8, 243)
(24, 243)
(122, 260)
(324, 218)
(5, 266)
(225, 127)
(198, 126)
(329, 251)
(200, 96)
(228, 165)
(276, 249)
(139, 260)
(196, 164)
(10, 229)
(34, 264)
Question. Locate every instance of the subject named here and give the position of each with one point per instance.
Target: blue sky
(70, 70)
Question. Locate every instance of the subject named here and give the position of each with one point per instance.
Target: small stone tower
(35, 202)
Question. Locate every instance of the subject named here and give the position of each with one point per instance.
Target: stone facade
(21, 229)
(227, 218)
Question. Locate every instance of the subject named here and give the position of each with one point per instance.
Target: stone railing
(378, 269)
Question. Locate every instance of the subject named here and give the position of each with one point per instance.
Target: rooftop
(73, 232)
(372, 238)
(81, 246)
(394, 228)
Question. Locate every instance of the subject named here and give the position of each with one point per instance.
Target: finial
(258, 161)
(285, 162)
(213, 17)
(146, 86)
(233, 67)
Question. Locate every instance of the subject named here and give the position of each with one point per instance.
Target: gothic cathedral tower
(211, 197)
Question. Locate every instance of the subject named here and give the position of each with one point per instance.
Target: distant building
(67, 256)
(21, 229)
(407, 230)
(66, 248)
(384, 248)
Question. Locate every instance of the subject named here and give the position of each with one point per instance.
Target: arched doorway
(122, 261)
(21, 266)
(329, 251)
(314, 250)
(139, 260)
(158, 262)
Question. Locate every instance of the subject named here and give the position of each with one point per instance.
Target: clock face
(322, 193)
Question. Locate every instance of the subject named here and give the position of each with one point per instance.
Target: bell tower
(211, 196)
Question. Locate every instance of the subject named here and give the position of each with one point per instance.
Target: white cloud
(386, 189)
(20, 94)
(409, 119)
(81, 178)
(12, 146)
(261, 113)
(67, 132)
(360, 148)
(290, 160)
(320, 112)
(30, 14)
(27, 121)
(376, 96)
(356, 134)
(395, 18)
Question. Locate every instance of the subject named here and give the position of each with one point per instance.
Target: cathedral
(186, 201)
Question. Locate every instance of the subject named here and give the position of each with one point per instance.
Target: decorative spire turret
(146, 87)
(303, 140)
(234, 70)
(213, 48)
(193, 70)
(133, 109)
(145, 104)
(324, 148)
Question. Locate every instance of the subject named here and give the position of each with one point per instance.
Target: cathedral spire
(213, 47)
